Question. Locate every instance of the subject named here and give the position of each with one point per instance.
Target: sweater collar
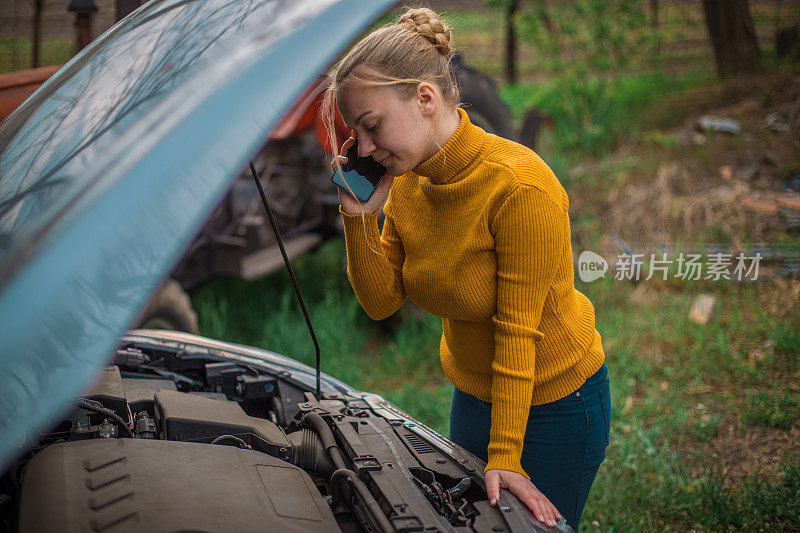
(449, 164)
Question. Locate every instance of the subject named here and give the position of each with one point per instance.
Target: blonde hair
(402, 55)
(414, 49)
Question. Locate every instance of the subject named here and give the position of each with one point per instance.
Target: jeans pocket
(605, 402)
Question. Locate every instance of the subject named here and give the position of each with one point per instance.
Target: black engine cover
(164, 486)
(188, 417)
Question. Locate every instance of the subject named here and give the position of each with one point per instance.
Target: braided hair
(403, 54)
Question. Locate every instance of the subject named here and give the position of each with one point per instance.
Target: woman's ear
(427, 98)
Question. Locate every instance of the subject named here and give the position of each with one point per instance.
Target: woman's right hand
(525, 490)
(350, 204)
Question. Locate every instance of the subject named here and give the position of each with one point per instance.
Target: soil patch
(739, 452)
(689, 183)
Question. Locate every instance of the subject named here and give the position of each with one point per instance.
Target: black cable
(344, 475)
(174, 376)
(96, 407)
(291, 272)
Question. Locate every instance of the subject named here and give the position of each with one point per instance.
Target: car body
(107, 173)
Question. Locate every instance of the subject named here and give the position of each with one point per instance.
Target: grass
(776, 408)
(787, 340)
(15, 53)
(674, 385)
(759, 505)
(593, 115)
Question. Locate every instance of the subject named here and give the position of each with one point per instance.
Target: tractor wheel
(170, 308)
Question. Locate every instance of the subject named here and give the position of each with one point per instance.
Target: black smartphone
(361, 174)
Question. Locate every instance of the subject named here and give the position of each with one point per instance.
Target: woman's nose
(365, 146)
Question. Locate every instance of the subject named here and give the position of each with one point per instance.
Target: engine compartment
(178, 438)
(164, 486)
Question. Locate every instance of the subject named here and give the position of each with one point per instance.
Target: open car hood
(112, 166)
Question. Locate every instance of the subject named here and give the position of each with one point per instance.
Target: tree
(733, 36)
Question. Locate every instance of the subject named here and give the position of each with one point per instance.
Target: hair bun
(427, 23)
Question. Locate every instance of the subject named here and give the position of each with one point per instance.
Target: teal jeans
(565, 440)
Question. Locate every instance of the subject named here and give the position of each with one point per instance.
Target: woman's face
(394, 130)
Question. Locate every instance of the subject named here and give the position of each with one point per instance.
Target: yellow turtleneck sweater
(479, 235)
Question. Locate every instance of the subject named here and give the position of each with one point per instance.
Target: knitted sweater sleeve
(376, 279)
(531, 231)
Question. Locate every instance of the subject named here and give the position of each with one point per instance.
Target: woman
(476, 232)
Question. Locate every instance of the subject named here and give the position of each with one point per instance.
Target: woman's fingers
(545, 510)
(492, 486)
(554, 510)
(349, 203)
(352, 206)
(547, 513)
(537, 503)
(523, 489)
(345, 146)
(348, 143)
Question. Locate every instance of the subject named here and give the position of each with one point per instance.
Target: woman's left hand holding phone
(351, 205)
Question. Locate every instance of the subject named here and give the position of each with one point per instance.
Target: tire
(169, 308)
(481, 101)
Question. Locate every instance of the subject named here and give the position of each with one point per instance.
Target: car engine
(178, 437)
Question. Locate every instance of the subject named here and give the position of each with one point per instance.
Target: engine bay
(175, 438)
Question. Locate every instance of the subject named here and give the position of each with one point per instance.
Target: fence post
(37, 26)
(511, 43)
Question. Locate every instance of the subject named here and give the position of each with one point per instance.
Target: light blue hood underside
(110, 169)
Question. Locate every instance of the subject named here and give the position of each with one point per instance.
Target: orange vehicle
(15, 87)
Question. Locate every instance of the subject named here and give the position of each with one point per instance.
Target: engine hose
(329, 441)
(327, 437)
(309, 453)
(342, 476)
